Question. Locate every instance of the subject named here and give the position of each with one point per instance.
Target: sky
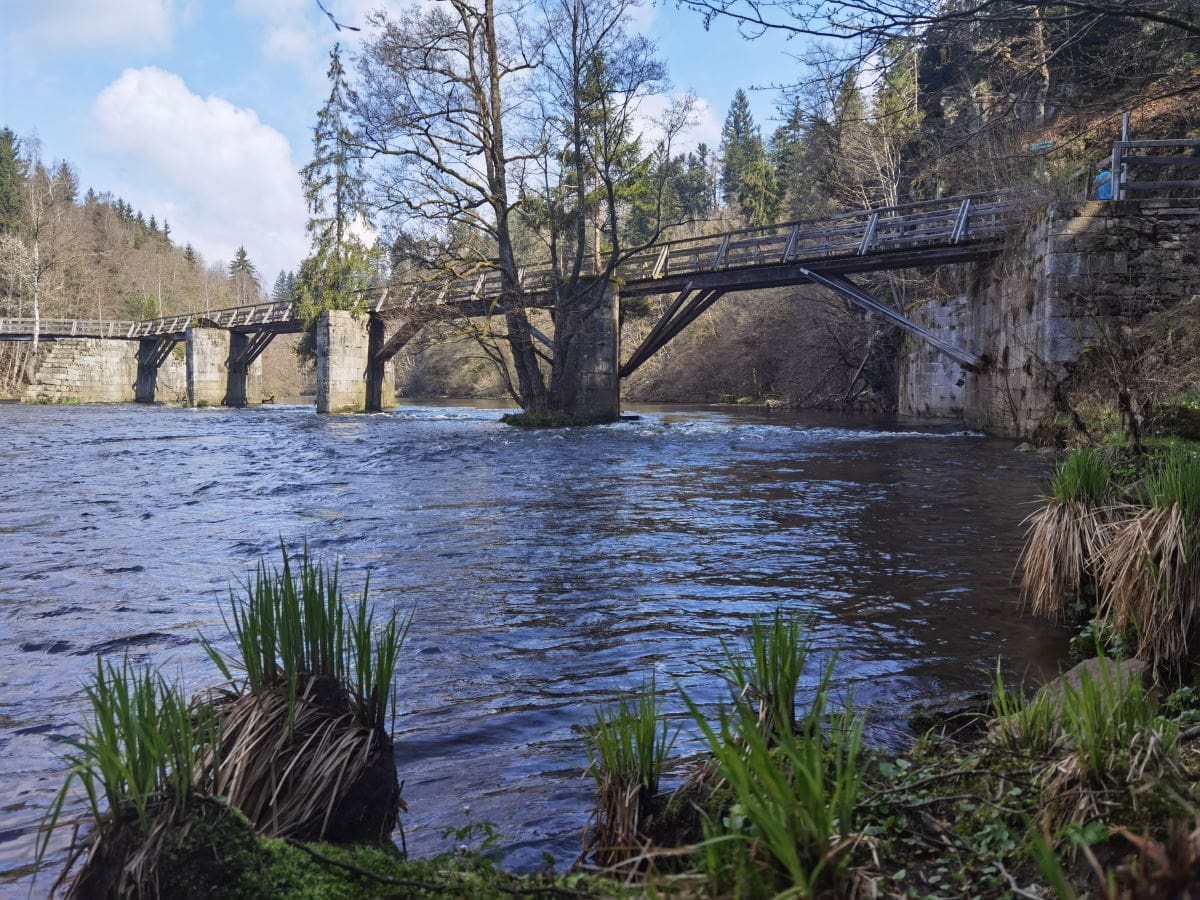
(200, 112)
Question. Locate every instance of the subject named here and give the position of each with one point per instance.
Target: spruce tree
(339, 269)
(12, 181)
(740, 143)
(748, 177)
(334, 182)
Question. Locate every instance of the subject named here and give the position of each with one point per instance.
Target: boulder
(1097, 670)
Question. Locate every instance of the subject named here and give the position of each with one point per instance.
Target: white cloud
(222, 177)
(297, 31)
(705, 127)
(72, 24)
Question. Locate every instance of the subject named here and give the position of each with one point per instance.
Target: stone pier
(207, 365)
(590, 386)
(217, 373)
(350, 376)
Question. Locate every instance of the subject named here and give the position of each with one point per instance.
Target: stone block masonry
(95, 370)
(343, 352)
(215, 377)
(207, 366)
(1033, 310)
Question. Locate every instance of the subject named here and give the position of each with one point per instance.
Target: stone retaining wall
(95, 370)
(1033, 310)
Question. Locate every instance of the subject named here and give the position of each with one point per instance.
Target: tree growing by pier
(511, 132)
(340, 269)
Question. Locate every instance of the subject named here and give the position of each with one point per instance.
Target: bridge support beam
(151, 354)
(350, 377)
(589, 385)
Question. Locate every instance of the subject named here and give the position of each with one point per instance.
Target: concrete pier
(590, 389)
(217, 371)
(207, 365)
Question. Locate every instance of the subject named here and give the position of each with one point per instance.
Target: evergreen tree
(334, 182)
(244, 276)
(12, 181)
(740, 144)
(747, 175)
(338, 271)
(166, 231)
(153, 224)
(66, 182)
(189, 254)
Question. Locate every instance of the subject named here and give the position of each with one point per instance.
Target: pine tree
(12, 181)
(153, 224)
(166, 231)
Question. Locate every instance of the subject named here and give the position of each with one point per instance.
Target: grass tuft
(792, 824)
(1067, 535)
(305, 751)
(627, 749)
(765, 670)
(143, 758)
(1150, 568)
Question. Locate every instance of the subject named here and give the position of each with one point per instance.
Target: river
(546, 571)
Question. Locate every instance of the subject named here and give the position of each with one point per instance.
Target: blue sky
(200, 111)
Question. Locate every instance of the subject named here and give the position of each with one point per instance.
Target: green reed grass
(1086, 476)
(142, 744)
(1107, 719)
(630, 741)
(1175, 481)
(1023, 724)
(293, 625)
(792, 824)
(765, 669)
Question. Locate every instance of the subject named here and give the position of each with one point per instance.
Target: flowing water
(546, 572)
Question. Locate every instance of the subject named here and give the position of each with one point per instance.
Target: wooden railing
(1137, 167)
(55, 328)
(934, 223)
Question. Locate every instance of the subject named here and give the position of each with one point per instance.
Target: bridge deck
(956, 229)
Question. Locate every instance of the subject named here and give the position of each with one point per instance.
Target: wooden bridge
(697, 270)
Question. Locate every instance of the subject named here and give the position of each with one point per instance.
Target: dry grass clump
(627, 748)
(1066, 536)
(303, 749)
(1150, 567)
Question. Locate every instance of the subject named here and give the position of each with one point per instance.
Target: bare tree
(505, 130)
